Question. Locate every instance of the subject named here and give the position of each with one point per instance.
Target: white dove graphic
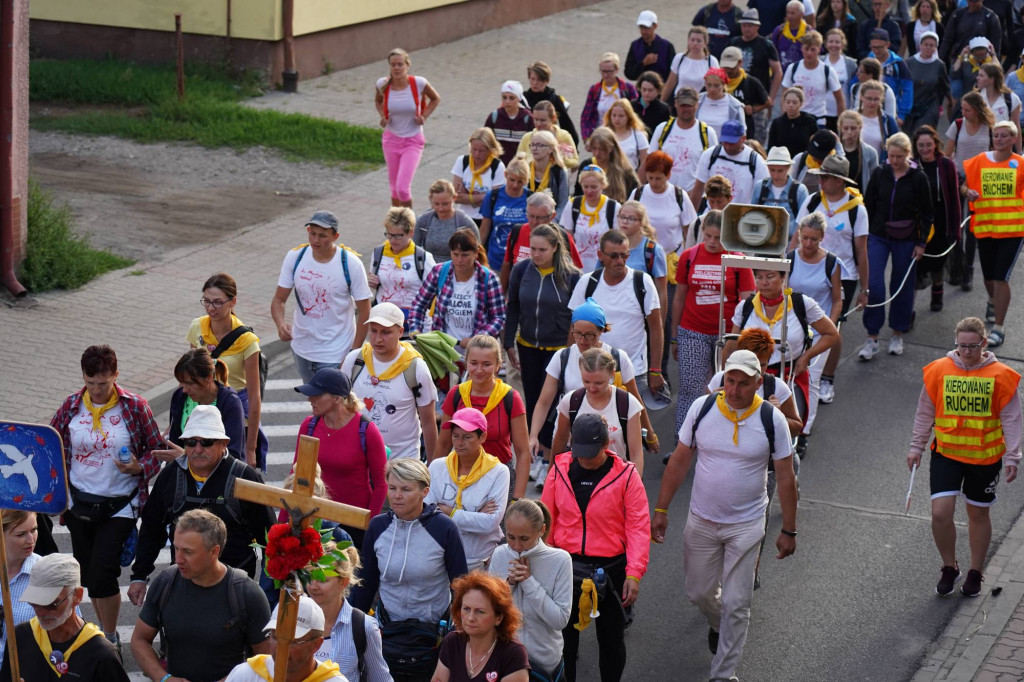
(22, 465)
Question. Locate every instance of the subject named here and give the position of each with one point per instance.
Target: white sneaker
(534, 465)
(869, 350)
(896, 345)
(827, 393)
(542, 475)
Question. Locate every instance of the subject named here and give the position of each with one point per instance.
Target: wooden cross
(300, 502)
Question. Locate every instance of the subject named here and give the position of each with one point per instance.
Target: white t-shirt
(587, 236)
(838, 238)
(691, 71)
(461, 309)
(716, 112)
(794, 334)
(573, 379)
(606, 100)
(813, 81)
(623, 312)
(888, 101)
(871, 132)
(402, 107)
(400, 284)
(486, 183)
(735, 169)
(782, 390)
(999, 109)
(390, 404)
(93, 454)
(685, 147)
(842, 75)
(326, 331)
(666, 217)
(729, 480)
(617, 439)
(635, 142)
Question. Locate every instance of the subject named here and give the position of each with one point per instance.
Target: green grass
(141, 104)
(56, 258)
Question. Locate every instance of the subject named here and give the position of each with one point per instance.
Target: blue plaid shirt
(22, 612)
(490, 302)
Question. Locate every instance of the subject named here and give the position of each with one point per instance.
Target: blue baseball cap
(732, 131)
(327, 380)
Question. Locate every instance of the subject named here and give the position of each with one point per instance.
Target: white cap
(929, 34)
(647, 18)
(50, 575)
(745, 361)
(979, 41)
(205, 422)
(311, 617)
(515, 87)
(387, 315)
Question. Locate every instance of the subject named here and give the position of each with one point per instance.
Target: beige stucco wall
(21, 19)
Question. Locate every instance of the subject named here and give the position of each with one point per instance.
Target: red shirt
(351, 476)
(521, 249)
(701, 272)
(499, 426)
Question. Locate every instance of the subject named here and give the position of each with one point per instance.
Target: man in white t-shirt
(684, 138)
(616, 287)
(734, 161)
(727, 504)
(394, 383)
(816, 78)
(332, 298)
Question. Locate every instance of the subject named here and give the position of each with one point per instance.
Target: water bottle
(124, 455)
(600, 581)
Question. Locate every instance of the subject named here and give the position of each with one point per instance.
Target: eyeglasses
(216, 305)
(539, 218)
(617, 256)
(967, 346)
(628, 219)
(607, 72)
(392, 235)
(56, 605)
(192, 442)
(584, 336)
(539, 145)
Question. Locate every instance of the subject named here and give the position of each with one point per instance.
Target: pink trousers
(402, 155)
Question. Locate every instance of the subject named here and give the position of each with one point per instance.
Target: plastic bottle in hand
(124, 455)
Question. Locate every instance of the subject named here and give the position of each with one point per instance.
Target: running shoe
(896, 345)
(827, 392)
(801, 446)
(869, 350)
(542, 474)
(972, 584)
(947, 583)
(535, 466)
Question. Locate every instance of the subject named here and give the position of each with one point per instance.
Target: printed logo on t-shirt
(315, 292)
(707, 279)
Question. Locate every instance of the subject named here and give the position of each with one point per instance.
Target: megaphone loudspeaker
(751, 229)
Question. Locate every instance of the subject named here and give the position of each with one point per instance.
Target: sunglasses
(192, 442)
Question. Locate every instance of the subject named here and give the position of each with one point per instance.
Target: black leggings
(610, 626)
(533, 363)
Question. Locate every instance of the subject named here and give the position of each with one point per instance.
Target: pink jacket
(617, 518)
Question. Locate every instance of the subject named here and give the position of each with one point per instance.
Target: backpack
(751, 161)
(507, 402)
(494, 162)
(232, 505)
(563, 361)
(960, 124)
(414, 90)
(767, 421)
(419, 259)
(798, 309)
(295, 268)
(363, 424)
(762, 196)
(494, 115)
(638, 288)
(667, 129)
(768, 385)
(815, 202)
(621, 409)
(359, 640)
(410, 380)
(609, 211)
(679, 194)
(230, 338)
(830, 265)
(705, 14)
(828, 72)
(236, 601)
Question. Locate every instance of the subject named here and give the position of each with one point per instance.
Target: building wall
(21, 24)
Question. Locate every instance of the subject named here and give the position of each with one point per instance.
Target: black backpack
(494, 162)
(236, 601)
(506, 403)
(638, 286)
(363, 424)
(750, 163)
(830, 266)
(621, 409)
(666, 130)
(419, 258)
(563, 361)
(766, 412)
(762, 196)
(609, 211)
(359, 640)
(232, 505)
(229, 339)
(798, 308)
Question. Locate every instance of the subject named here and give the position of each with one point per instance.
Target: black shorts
(998, 256)
(978, 483)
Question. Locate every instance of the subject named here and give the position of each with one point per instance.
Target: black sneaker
(801, 446)
(972, 584)
(950, 576)
(712, 641)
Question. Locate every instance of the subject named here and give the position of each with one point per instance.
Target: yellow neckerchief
(588, 604)
(613, 91)
(732, 415)
(1020, 72)
(481, 466)
(759, 309)
(197, 477)
(42, 638)
(813, 162)
(799, 34)
(323, 671)
(97, 412)
(543, 185)
(240, 344)
(976, 66)
(477, 173)
(406, 358)
(856, 199)
(544, 272)
(598, 212)
(497, 394)
(735, 82)
(409, 250)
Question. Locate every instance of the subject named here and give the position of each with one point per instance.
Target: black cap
(822, 143)
(589, 435)
(327, 380)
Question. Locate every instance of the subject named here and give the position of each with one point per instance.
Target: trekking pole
(910, 489)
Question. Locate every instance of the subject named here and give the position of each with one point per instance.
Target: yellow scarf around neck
(543, 185)
(613, 91)
(484, 463)
(813, 162)
(976, 66)
(477, 179)
(409, 250)
(732, 415)
(240, 344)
(787, 304)
(497, 395)
(734, 83)
(799, 34)
(42, 638)
(1020, 72)
(406, 358)
(855, 200)
(97, 411)
(323, 671)
(594, 216)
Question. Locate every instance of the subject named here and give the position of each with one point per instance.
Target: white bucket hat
(205, 422)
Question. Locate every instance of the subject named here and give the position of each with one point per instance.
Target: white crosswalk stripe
(299, 406)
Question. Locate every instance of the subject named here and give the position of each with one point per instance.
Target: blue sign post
(32, 478)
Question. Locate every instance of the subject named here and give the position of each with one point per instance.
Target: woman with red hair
(485, 622)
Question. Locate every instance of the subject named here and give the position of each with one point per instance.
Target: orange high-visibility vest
(967, 408)
(999, 211)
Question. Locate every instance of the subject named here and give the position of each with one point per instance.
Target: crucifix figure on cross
(302, 506)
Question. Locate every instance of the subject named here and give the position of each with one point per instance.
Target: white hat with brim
(779, 156)
(386, 315)
(50, 575)
(205, 422)
(745, 361)
(310, 617)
